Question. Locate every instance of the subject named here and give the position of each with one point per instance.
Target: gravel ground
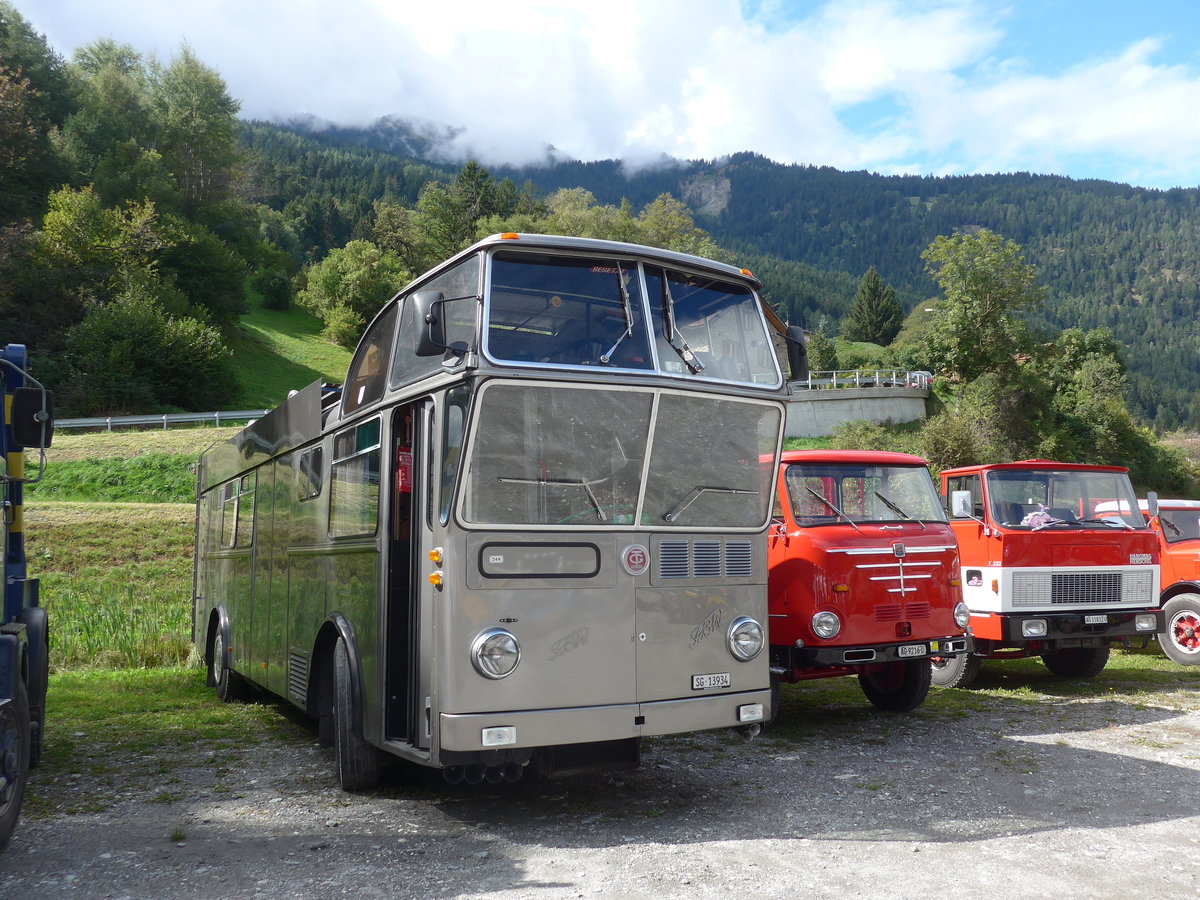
(1064, 796)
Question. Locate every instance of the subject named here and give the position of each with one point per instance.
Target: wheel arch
(1179, 587)
(321, 669)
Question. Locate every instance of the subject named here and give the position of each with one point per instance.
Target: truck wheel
(229, 684)
(954, 671)
(358, 762)
(1077, 662)
(14, 761)
(1181, 640)
(898, 686)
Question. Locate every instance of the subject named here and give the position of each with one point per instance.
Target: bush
(274, 288)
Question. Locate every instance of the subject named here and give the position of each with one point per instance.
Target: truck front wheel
(14, 760)
(898, 686)
(1076, 662)
(954, 671)
(1181, 640)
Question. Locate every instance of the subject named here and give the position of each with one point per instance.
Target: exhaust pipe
(453, 774)
(474, 774)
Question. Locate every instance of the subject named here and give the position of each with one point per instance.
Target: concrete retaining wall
(815, 413)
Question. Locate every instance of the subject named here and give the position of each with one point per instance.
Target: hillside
(1112, 255)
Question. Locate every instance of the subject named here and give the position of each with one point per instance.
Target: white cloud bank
(918, 86)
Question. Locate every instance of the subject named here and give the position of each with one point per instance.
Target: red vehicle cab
(863, 574)
(1057, 562)
(1177, 524)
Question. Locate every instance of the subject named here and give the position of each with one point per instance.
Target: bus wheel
(14, 760)
(898, 686)
(357, 761)
(1181, 640)
(1077, 662)
(954, 671)
(229, 684)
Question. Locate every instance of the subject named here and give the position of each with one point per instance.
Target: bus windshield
(564, 456)
(1071, 498)
(545, 310)
(829, 494)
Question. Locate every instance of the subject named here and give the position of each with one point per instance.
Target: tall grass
(116, 582)
(148, 478)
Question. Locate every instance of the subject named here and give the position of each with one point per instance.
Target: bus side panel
(303, 529)
(272, 560)
(238, 579)
(261, 574)
(354, 592)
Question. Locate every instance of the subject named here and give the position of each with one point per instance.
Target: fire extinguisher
(404, 473)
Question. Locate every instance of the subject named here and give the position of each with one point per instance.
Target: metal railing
(861, 378)
(108, 423)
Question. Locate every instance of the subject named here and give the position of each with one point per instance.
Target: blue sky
(1084, 88)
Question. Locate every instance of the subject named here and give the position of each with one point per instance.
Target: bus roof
(1035, 464)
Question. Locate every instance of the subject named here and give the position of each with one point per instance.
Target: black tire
(1181, 638)
(14, 761)
(776, 700)
(230, 686)
(898, 686)
(954, 671)
(39, 677)
(358, 763)
(1076, 662)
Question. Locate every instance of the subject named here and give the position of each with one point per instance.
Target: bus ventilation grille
(895, 612)
(298, 676)
(705, 559)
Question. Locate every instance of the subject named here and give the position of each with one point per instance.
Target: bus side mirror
(961, 506)
(29, 416)
(1152, 504)
(431, 327)
(797, 351)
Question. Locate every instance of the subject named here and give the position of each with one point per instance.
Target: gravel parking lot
(1011, 792)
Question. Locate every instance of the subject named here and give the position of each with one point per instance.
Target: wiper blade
(625, 305)
(695, 492)
(1171, 525)
(671, 330)
(834, 508)
(897, 510)
(563, 482)
(1114, 521)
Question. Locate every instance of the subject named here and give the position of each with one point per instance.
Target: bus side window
(309, 484)
(354, 481)
(452, 441)
(367, 375)
(229, 498)
(245, 511)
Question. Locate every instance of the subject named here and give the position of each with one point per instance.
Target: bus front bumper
(579, 725)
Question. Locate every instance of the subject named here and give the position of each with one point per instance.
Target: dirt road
(996, 794)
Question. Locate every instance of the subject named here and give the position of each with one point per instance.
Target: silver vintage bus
(526, 530)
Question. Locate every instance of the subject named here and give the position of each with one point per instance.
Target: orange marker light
(841, 588)
(435, 556)
(510, 236)
(747, 273)
(435, 578)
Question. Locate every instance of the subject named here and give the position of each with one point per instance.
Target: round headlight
(826, 624)
(962, 615)
(495, 653)
(745, 638)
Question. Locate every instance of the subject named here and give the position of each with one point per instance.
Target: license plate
(1095, 620)
(912, 650)
(707, 682)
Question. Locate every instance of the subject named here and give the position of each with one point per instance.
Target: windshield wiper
(897, 510)
(1171, 525)
(695, 492)
(835, 509)
(553, 482)
(628, 332)
(671, 330)
(1114, 521)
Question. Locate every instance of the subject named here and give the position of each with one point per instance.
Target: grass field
(276, 351)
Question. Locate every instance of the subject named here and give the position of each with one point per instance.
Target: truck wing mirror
(431, 327)
(797, 351)
(32, 417)
(1152, 504)
(961, 506)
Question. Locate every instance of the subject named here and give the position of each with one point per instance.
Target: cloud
(923, 85)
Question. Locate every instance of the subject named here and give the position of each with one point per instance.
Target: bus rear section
(864, 575)
(1057, 562)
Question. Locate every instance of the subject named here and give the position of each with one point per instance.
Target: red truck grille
(895, 612)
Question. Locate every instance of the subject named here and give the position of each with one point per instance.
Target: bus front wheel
(358, 762)
(228, 684)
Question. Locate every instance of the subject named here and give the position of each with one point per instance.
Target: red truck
(1177, 525)
(863, 574)
(1057, 562)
